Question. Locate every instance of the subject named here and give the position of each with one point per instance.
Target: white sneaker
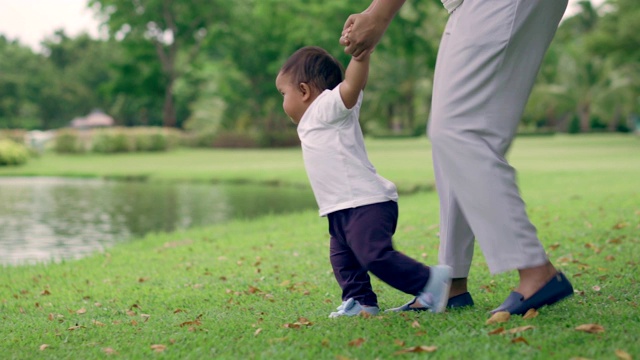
(352, 307)
(436, 292)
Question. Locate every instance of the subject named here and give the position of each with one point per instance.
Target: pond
(50, 219)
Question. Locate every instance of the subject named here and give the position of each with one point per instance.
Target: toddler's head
(315, 66)
(304, 76)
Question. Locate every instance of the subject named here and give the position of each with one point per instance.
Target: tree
(172, 28)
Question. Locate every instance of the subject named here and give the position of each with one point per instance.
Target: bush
(279, 139)
(114, 140)
(229, 139)
(12, 153)
(68, 141)
(16, 135)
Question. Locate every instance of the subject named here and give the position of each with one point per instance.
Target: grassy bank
(239, 290)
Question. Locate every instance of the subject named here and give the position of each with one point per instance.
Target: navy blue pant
(361, 242)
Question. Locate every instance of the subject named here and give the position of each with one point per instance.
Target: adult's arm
(368, 27)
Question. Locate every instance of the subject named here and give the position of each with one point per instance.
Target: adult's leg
(489, 57)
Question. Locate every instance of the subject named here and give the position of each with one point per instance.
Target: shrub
(286, 138)
(68, 141)
(12, 153)
(114, 140)
(16, 135)
(229, 139)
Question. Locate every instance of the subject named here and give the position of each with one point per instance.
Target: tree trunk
(585, 118)
(168, 110)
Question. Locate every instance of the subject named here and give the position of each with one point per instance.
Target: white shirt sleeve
(335, 112)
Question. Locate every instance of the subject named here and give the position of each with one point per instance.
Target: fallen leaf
(158, 347)
(620, 225)
(499, 317)
(519, 339)
(530, 314)
(325, 342)
(131, 313)
(257, 332)
(623, 355)
(145, 317)
(44, 346)
(415, 324)
(357, 342)
(195, 322)
(178, 311)
(609, 258)
(81, 311)
(75, 327)
(520, 329)
(109, 351)
(399, 342)
(497, 331)
(418, 349)
(97, 323)
(45, 292)
(591, 328)
(97, 304)
(596, 288)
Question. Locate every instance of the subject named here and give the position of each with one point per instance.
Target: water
(50, 219)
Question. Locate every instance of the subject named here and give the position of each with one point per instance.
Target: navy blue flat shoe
(553, 291)
(460, 301)
(457, 301)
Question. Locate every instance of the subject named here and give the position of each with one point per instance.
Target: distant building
(95, 119)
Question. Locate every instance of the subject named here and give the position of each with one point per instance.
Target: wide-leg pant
(488, 60)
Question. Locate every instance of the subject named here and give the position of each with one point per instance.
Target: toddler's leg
(369, 234)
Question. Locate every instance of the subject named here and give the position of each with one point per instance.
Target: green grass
(228, 291)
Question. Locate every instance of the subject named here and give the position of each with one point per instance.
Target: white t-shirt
(335, 158)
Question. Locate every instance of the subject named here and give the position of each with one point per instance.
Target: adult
(487, 63)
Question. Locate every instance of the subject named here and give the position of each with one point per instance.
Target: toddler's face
(292, 102)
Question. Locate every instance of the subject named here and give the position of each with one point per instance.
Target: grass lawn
(263, 288)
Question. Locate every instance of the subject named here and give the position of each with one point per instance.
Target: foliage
(69, 141)
(209, 67)
(12, 153)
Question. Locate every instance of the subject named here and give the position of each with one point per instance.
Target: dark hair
(315, 66)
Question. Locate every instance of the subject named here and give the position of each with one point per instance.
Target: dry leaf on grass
(97, 323)
(530, 314)
(109, 351)
(520, 329)
(519, 339)
(81, 311)
(590, 328)
(158, 347)
(43, 347)
(357, 342)
(257, 332)
(499, 317)
(75, 327)
(417, 349)
(298, 324)
(497, 331)
(623, 355)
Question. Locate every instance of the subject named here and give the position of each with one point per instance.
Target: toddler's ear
(305, 89)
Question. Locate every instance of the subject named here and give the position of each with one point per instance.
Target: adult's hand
(362, 32)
